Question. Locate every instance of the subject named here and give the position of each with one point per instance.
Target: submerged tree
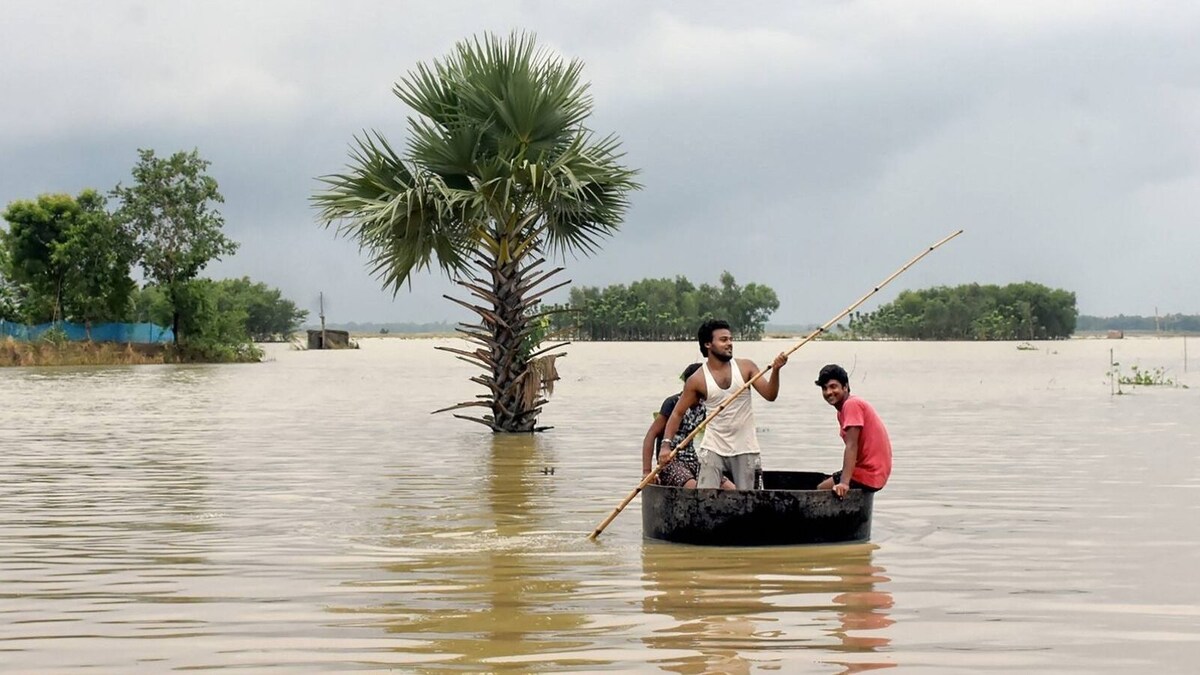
(500, 172)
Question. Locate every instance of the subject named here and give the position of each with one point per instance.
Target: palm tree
(499, 174)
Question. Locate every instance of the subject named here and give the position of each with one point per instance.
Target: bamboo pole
(687, 439)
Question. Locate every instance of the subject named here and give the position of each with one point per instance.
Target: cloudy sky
(810, 146)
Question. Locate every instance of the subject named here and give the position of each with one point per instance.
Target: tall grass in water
(62, 353)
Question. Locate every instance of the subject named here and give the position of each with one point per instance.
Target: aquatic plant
(1137, 377)
(1146, 378)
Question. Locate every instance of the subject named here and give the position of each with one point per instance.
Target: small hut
(329, 339)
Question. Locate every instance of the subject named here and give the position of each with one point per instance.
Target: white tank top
(731, 432)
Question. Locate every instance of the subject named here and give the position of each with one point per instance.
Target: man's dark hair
(687, 372)
(705, 334)
(833, 372)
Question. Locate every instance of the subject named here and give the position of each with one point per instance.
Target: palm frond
(406, 219)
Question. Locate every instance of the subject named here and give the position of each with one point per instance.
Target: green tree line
(397, 327)
(1022, 311)
(71, 258)
(1172, 323)
(662, 310)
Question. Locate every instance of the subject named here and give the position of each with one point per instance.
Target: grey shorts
(745, 470)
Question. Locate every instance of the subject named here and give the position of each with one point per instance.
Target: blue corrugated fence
(139, 333)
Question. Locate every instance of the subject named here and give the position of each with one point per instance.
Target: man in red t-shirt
(867, 460)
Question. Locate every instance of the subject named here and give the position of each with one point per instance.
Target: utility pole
(1112, 375)
(321, 299)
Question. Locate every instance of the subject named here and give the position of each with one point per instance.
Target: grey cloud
(811, 147)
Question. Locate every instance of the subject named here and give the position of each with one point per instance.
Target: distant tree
(10, 303)
(97, 255)
(268, 315)
(663, 309)
(151, 305)
(747, 308)
(260, 311)
(35, 229)
(1024, 311)
(170, 212)
(67, 258)
(1189, 323)
(213, 318)
(215, 322)
(500, 173)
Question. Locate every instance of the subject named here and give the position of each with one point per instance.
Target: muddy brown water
(308, 514)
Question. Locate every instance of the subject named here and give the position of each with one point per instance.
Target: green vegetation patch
(1024, 311)
(663, 310)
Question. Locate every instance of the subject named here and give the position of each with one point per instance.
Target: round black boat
(789, 510)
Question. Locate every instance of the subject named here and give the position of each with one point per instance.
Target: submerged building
(329, 339)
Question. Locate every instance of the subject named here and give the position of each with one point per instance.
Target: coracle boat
(788, 511)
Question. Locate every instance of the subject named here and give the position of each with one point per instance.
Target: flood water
(308, 514)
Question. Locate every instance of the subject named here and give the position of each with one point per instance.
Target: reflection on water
(308, 514)
(742, 609)
(478, 590)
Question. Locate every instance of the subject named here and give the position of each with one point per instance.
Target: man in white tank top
(730, 445)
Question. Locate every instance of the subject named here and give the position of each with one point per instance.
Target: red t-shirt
(874, 463)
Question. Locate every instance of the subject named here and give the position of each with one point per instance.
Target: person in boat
(729, 449)
(682, 470)
(867, 457)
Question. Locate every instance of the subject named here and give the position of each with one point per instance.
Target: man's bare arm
(656, 427)
(769, 389)
(849, 459)
(691, 396)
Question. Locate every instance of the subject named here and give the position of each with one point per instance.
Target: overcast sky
(810, 146)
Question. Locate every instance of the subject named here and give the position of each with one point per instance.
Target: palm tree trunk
(509, 363)
(519, 371)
